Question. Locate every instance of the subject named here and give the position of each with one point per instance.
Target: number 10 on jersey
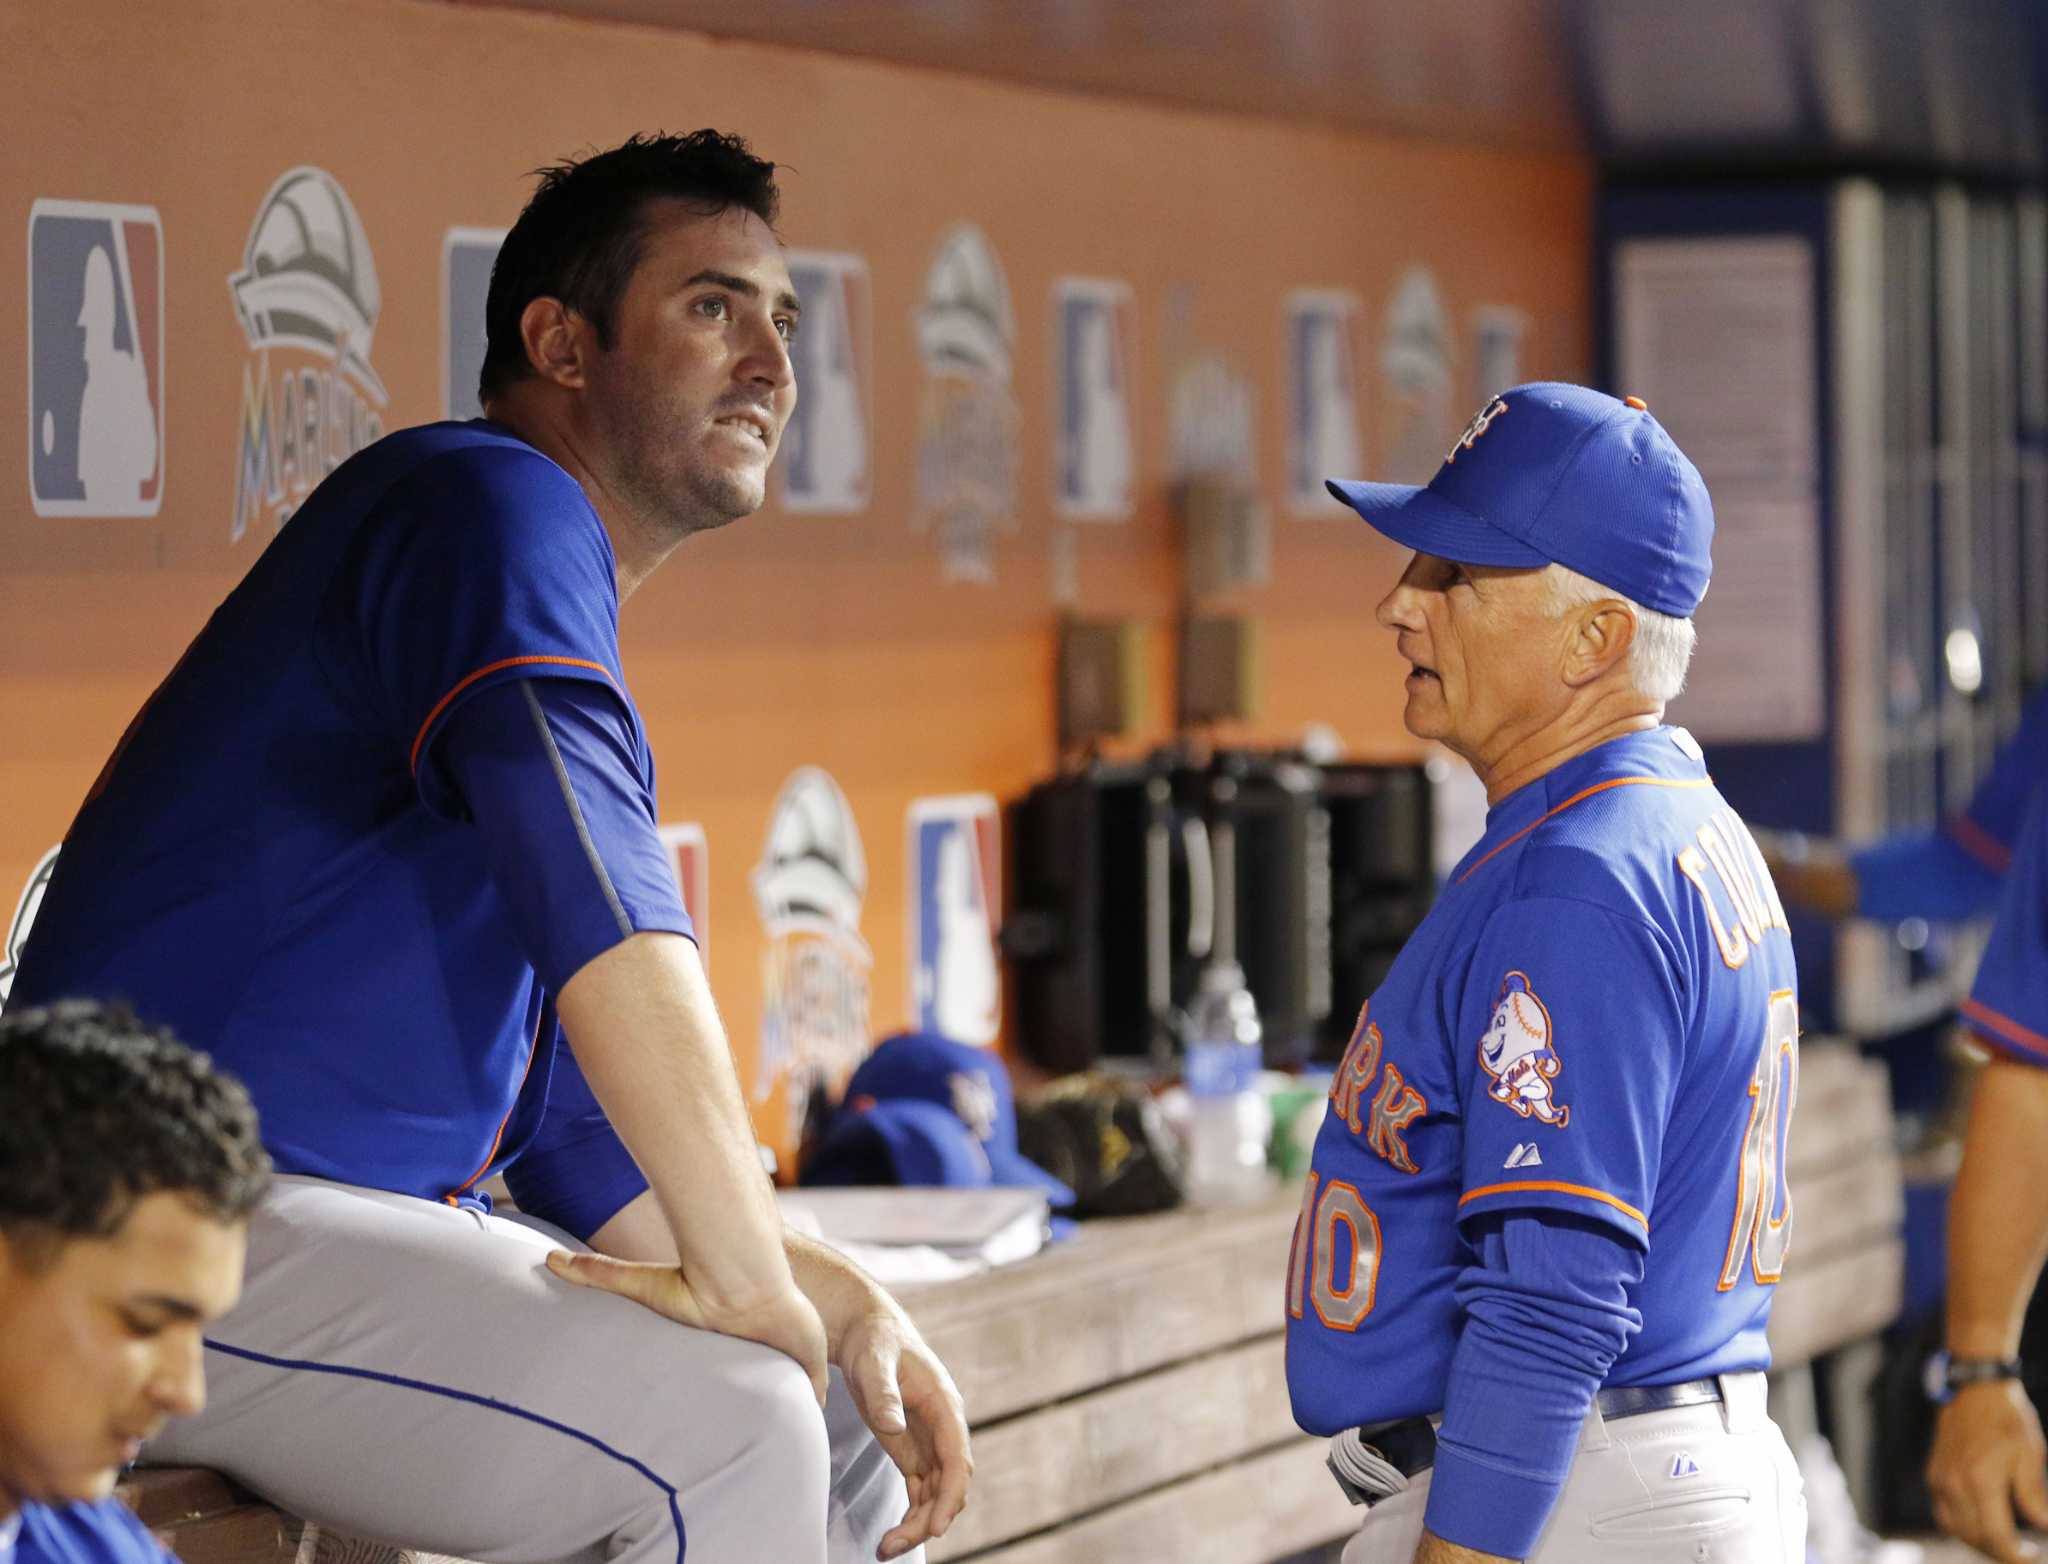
(1763, 1198)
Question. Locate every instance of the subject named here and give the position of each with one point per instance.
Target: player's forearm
(644, 1028)
(1814, 875)
(1998, 1213)
(1434, 1550)
(839, 1290)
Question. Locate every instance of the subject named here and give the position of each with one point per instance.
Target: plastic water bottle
(1232, 1121)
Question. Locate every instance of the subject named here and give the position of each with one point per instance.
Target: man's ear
(1601, 635)
(556, 339)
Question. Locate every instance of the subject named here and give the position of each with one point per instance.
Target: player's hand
(906, 1396)
(1988, 1458)
(785, 1320)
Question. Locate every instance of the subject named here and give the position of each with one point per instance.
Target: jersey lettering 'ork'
(1598, 1017)
(272, 863)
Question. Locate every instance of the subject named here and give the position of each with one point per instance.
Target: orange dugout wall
(1209, 290)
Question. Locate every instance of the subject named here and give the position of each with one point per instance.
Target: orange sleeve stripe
(1979, 843)
(1597, 787)
(1600, 1195)
(488, 669)
(2005, 1028)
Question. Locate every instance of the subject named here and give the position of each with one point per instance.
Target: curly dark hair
(102, 1110)
(581, 234)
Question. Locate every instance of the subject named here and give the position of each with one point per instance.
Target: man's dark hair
(98, 1110)
(581, 235)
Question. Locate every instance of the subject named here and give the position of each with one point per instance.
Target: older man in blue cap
(1528, 1288)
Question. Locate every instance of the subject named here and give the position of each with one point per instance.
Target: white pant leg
(1622, 1503)
(412, 1373)
(867, 1496)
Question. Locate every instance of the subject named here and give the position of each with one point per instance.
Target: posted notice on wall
(1717, 335)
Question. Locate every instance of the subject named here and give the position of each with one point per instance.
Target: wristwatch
(1944, 1375)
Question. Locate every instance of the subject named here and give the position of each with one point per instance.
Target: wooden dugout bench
(1126, 1388)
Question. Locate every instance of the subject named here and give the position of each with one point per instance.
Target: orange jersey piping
(1600, 1195)
(1597, 787)
(441, 705)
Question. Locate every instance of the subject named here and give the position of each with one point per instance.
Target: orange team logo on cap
(1479, 425)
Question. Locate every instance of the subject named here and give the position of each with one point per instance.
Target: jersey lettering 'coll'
(275, 865)
(1598, 1017)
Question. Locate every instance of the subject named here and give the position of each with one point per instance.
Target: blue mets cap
(933, 1111)
(1558, 474)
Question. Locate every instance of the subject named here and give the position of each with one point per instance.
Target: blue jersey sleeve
(489, 565)
(554, 777)
(575, 1171)
(106, 1532)
(2008, 1006)
(1547, 1312)
(1989, 828)
(1570, 1035)
(1923, 874)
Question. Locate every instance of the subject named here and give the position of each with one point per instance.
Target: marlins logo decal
(809, 887)
(1520, 1053)
(24, 919)
(1415, 365)
(308, 300)
(967, 425)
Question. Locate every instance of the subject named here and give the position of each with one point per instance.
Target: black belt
(1410, 1445)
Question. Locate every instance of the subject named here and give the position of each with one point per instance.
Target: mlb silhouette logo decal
(467, 256)
(823, 458)
(954, 905)
(690, 855)
(1093, 382)
(1325, 331)
(1519, 1051)
(96, 359)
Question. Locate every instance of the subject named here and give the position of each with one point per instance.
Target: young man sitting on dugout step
(128, 1169)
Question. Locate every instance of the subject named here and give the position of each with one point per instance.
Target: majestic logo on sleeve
(1518, 1052)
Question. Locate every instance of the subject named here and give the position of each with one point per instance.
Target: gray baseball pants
(1712, 1484)
(411, 1373)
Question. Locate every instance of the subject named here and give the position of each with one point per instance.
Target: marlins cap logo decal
(308, 299)
(1519, 1052)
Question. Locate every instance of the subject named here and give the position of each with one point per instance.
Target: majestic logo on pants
(308, 299)
(96, 359)
(1519, 1052)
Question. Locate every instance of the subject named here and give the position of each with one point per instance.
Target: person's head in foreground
(128, 1169)
(640, 311)
(1559, 554)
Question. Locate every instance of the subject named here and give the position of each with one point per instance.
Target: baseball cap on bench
(1553, 473)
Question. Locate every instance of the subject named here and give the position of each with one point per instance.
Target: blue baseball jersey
(276, 863)
(102, 1533)
(1599, 1016)
(1955, 870)
(2008, 1004)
